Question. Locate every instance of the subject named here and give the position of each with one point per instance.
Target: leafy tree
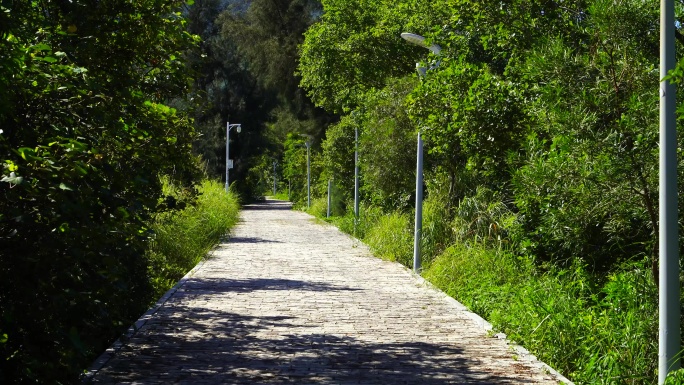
(595, 103)
(85, 133)
(388, 147)
(353, 48)
(247, 64)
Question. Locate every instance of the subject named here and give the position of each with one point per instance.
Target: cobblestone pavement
(287, 300)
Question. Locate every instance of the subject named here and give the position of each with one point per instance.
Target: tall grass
(391, 238)
(183, 237)
(592, 333)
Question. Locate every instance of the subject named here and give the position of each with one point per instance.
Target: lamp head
(420, 41)
(239, 129)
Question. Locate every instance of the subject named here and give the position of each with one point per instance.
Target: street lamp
(669, 311)
(229, 162)
(420, 41)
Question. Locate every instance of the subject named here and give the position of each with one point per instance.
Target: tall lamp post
(229, 162)
(669, 313)
(308, 174)
(420, 41)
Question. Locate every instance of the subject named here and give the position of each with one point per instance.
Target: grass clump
(319, 208)
(599, 333)
(391, 238)
(183, 237)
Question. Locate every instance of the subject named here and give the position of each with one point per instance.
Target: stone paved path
(290, 301)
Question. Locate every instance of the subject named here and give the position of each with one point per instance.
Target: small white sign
(230, 164)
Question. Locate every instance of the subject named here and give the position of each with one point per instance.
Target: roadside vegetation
(182, 237)
(103, 202)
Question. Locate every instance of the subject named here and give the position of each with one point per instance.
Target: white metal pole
(669, 313)
(308, 177)
(329, 196)
(274, 177)
(419, 206)
(356, 175)
(227, 152)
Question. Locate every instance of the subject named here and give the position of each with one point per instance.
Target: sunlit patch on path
(289, 301)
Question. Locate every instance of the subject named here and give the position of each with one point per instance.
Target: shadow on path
(250, 240)
(206, 286)
(269, 204)
(225, 348)
(195, 344)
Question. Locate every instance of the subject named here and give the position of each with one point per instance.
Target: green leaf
(65, 187)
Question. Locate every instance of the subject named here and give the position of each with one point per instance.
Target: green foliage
(338, 155)
(352, 49)
(591, 333)
(87, 125)
(436, 234)
(483, 218)
(267, 34)
(388, 147)
(183, 237)
(675, 378)
(319, 207)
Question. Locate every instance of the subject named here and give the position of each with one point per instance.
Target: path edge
(115, 347)
(520, 351)
(523, 354)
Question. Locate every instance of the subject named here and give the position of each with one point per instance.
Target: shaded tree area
(86, 129)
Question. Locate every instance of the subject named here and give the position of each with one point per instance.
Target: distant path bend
(289, 301)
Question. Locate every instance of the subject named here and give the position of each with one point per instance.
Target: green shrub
(675, 378)
(368, 217)
(482, 218)
(182, 238)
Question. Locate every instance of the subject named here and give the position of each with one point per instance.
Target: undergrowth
(183, 237)
(592, 333)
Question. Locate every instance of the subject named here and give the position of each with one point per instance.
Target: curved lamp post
(229, 162)
(419, 41)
